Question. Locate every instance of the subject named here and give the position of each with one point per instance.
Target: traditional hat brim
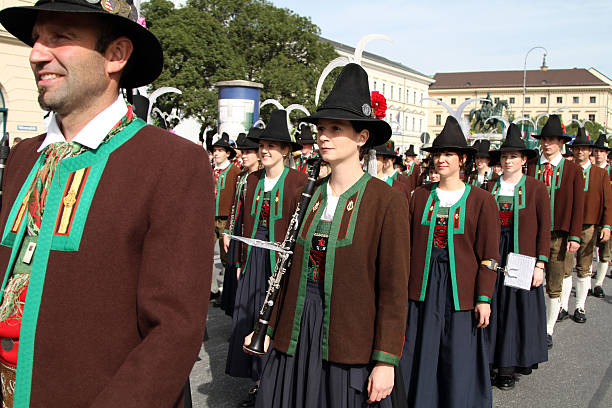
(564, 137)
(146, 61)
(379, 129)
(227, 147)
(294, 146)
(460, 149)
(581, 144)
(496, 154)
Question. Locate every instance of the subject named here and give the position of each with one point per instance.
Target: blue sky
(471, 35)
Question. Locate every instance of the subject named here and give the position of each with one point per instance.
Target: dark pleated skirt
(230, 282)
(304, 380)
(445, 359)
(517, 329)
(250, 295)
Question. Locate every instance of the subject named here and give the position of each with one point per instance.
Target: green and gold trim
(456, 226)
(341, 234)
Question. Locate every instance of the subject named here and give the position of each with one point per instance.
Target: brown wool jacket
(281, 206)
(475, 235)
(226, 189)
(598, 197)
(366, 276)
(123, 309)
(566, 196)
(533, 203)
(412, 179)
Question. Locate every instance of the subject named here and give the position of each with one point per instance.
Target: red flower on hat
(563, 127)
(379, 103)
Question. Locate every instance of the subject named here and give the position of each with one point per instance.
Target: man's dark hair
(109, 32)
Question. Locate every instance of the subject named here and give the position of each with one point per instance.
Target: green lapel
(48, 240)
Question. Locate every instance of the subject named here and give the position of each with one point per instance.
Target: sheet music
(519, 271)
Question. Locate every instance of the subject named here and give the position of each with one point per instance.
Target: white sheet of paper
(519, 271)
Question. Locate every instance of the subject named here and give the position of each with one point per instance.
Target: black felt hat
(513, 143)
(450, 138)
(482, 148)
(277, 130)
(249, 141)
(410, 151)
(304, 136)
(145, 63)
(224, 142)
(553, 128)
(582, 139)
(602, 142)
(350, 100)
(386, 149)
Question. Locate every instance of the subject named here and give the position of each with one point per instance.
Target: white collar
(603, 165)
(586, 165)
(94, 132)
(555, 161)
(223, 165)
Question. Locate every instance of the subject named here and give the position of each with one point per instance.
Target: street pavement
(578, 373)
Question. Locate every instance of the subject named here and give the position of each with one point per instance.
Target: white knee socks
(582, 289)
(566, 291)
(552, 312)
(602, 270)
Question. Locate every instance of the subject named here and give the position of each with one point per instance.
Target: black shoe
(562, 315)
(580, 316)
(218, 302)
(505, 382)
(523, 370)
(549, 342)
(493, 377)
(598, 292)
(251, 397)
(214, 295)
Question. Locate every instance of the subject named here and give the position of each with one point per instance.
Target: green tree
(214, 40)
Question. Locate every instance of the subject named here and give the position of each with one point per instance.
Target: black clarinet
(4, 153)
(283, 264)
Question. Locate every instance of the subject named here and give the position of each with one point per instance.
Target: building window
(512, 99)
(391, 97)
(542, 99)
(453, 101)
(559, 99)
(527, 99)
(399, 94)
(576, 99)
(415, 99)
(593, 99)
(496, 100)
(407, 96)
(438, 120)
(383, 89)
(575, 116)
(406, 123)
(592, 117)
(467, 99)
(527, 115)
(374, 85)
(420, 125)
(413, 123)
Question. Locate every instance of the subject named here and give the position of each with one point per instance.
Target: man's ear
(117, 55)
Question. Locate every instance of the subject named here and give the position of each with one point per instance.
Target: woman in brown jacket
(338, 326)
(517, 329)
(455, 236)
(267, 210)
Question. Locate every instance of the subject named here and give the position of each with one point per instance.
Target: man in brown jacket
(104, 224)
(565, 184)
(601, 155)
(225, 177)
(595, 226)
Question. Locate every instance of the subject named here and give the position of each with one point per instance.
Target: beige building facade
(404, 89)
(583, 94)
(18, 94)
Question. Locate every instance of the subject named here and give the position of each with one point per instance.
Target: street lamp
(543, 68)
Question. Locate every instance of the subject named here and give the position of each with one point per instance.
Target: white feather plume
(273, 102)
(364, 41)
(156, 94)
(260, 124)
(335, 63)
(524, 119)
(456, 113)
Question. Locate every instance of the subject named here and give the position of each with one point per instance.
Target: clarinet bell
(258, 342)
